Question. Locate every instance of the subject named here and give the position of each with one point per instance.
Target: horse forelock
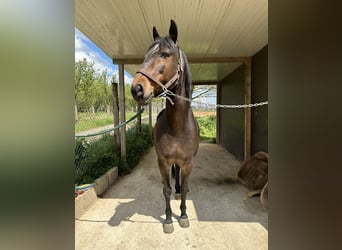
(152, 50)
(158, 45)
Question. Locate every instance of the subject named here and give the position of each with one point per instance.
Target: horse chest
(176, 148)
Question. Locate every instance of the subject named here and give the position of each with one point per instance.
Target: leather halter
(172, 82)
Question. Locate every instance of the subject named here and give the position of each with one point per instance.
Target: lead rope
(165, 94)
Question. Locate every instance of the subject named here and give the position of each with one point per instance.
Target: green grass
(88, 121)
(207, 126)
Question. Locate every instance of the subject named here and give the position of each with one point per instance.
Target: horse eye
(164, 55)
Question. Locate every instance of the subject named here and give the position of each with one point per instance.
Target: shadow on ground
(215, 194)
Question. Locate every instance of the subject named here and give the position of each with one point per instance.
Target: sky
(85, 48)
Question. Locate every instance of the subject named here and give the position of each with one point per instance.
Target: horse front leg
(165, 173)
(184, 221)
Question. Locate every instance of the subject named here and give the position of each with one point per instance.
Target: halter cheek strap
(171, 83)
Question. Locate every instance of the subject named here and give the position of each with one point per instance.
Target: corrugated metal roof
(209, 31)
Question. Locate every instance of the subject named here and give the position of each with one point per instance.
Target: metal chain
(241, 106)
(166, 93)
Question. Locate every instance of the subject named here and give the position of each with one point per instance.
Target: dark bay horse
(165, 72)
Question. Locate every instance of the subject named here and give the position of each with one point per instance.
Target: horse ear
(155, 33)
(173, 31)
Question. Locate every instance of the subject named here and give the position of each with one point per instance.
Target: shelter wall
(231, 121)
(259, 115)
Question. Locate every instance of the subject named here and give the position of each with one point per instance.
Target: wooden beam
(205, 82)
(248, 79)
(133, 60)
(191, 59)
(213, 59)
(122, 112)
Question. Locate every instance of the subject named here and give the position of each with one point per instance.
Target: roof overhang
(217, 36)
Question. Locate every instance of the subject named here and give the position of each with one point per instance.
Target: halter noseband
(171, 83)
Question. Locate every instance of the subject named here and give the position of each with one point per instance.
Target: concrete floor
(130, 214)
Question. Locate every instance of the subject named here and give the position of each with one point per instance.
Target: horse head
(161, 68)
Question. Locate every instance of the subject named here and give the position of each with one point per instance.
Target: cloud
(83, 49)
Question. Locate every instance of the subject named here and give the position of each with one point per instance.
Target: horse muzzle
(142, 91)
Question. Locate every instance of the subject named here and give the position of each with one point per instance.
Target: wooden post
(138, 127)
(248, 78)
(218, 112)
(116, 115)
(122, 112)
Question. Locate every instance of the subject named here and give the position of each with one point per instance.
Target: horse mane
(187, 75)
(160, 113)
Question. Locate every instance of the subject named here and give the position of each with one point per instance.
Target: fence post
(116, 115)
(138, 127)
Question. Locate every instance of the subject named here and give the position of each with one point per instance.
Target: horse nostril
(139, 90)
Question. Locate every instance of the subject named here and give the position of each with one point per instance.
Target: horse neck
(177, 113)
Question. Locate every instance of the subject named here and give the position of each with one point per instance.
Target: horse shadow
(125, 212)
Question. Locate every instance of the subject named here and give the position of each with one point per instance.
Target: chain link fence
(97, 140)
(92, 121)
(94, 143)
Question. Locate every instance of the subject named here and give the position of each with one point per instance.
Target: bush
(93, 159)
(80, 158)
(207, 126)
(136, 147)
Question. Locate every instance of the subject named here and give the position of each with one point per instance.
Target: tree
(201, 96)
(100, 91)
(204, 91)
(84, 78)
(129, 101)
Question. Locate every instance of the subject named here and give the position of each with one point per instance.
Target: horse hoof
(178, 196)
(184, 222)
(168, 228)
(253, 192)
